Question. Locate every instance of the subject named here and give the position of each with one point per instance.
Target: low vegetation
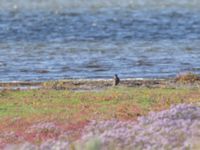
(188, 77)
(40, 115)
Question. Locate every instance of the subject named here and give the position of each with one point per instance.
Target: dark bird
(116, 80)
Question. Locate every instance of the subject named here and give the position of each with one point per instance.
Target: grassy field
(119, 102)
(71, 110)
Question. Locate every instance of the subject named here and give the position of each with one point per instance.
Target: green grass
(121, 103)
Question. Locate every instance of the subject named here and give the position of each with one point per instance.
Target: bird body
(116, 80)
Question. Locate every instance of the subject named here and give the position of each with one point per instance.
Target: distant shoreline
(97, 84)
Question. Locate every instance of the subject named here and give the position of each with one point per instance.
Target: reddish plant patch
(128, 112)
(39, 132)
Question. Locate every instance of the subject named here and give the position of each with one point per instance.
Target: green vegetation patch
(120, 102)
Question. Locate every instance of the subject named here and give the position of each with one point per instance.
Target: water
(52, 40)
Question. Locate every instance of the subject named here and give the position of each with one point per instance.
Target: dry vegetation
(187, 78)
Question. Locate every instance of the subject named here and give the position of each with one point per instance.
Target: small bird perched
(116, 80)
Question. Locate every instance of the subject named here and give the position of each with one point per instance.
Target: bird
(116, 80)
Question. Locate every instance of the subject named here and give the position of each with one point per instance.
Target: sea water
(64, 39)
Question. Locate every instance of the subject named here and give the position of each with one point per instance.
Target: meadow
(39, 115)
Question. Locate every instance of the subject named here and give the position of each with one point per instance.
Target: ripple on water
(97, 43)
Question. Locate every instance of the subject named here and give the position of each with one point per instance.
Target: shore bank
(99, 84)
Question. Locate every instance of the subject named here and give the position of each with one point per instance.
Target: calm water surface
(51, 40)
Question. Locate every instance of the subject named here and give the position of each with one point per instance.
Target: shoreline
(98, 84)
